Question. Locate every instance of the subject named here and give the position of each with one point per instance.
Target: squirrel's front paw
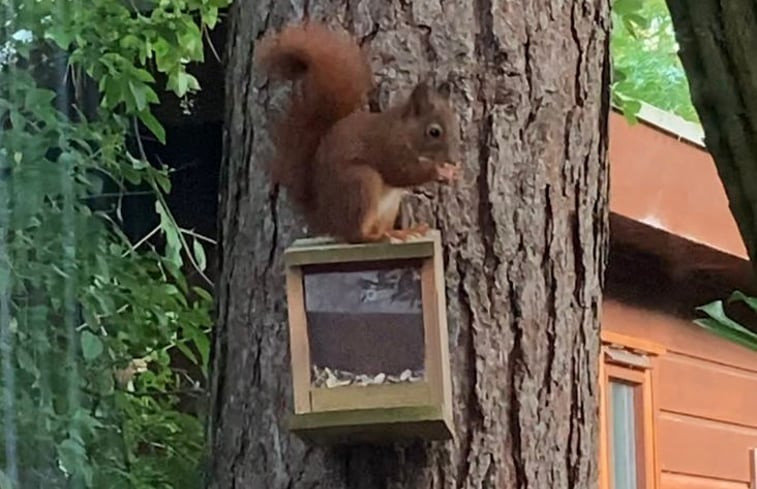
(447, 172)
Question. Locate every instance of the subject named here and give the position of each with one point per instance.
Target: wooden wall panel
(707, 390)
(680, 481)
(698, 447)
(677, 335)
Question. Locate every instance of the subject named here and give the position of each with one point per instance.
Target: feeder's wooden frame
(375, 412)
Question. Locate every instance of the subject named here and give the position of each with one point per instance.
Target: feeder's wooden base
(373, 425)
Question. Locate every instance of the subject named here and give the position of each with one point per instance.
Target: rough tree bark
(718, 43)
(525, 244)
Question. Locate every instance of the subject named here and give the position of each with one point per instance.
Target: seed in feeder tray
(334, 382)
(319, 376)
(331, 378)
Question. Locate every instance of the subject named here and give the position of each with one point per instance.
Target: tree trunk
(525, 245)
(718, 43)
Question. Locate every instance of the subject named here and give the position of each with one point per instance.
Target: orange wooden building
(679, 404)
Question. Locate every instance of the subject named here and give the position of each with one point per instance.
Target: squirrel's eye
(434, 131)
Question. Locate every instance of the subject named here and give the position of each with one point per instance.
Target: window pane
(623, 436)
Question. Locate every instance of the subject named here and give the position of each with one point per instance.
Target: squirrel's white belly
(390, 202)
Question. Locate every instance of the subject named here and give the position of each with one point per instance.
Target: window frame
(637, 369)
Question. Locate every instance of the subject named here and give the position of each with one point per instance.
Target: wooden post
(298, 341)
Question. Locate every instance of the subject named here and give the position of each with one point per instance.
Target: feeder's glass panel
(365, 323)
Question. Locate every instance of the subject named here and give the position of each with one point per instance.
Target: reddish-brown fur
(345, 167)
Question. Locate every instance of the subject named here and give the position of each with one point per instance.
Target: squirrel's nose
(453, 157)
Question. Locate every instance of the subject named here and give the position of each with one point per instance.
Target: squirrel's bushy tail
(335, 77)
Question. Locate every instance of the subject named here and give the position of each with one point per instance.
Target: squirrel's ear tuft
(444, 90)
(420, 100)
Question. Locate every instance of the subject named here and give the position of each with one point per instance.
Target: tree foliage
(645, 59)
(88, 319)
(719, 322)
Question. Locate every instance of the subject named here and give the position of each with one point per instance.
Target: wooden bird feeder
(368, 341)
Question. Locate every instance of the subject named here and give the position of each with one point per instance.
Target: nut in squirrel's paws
(402, 235)
(447, 172)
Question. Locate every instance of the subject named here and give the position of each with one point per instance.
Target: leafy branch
(719, 323)
(87, 308)
(645, 58)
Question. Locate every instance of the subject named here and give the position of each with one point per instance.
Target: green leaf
(202, 293)
(165, 57)
(181, 82)
(210, 17)
(626, 7)
(186, 351)
(5, 276)
(173, 242)
(73, 460)
(5, 482)
(720, 324)
(716, 311)
(717, 328)
(60, 34)
(199, 253)
(150, 96)
(91, 345)
(113, 91)
(83, 422)
(202, 343)
(190, 38)
(138, 92)
(38, 99)
(739, 296)
(167, 225)
(26, 362)
(163, 182)
(143, 75)
(631, 110)
(638, 19)
(18, 121)
(104, 382)
(72, 456)
(153, 125)
(142, 95)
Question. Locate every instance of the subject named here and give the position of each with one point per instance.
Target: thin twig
(167, 210)
(181, 237)
(116, 194)
(141, 241)
(104, 316)
(198, 236)
(210, 44)
(139, 140)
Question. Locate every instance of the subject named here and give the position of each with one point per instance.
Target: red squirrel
(344, 167)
